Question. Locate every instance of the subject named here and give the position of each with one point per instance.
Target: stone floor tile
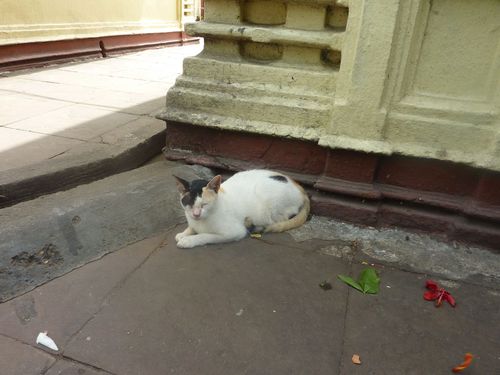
(77, 121)
(19, 148)
(83, 79)
(244, 308)
(50, 90)
(64, 305)
(155, 88)
(15, 107)
(133, 129)
(398, 332)
(136, 104)
(65, 367)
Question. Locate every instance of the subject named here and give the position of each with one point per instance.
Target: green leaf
(349, 281)
(369, 281)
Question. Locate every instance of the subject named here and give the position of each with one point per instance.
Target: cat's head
(198, 197)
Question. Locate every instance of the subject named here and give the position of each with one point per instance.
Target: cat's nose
(196, 213)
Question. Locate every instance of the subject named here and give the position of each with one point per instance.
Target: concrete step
(49, 236)
(121, 149)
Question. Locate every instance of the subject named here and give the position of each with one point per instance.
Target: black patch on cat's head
(279, 178)
(195, 190)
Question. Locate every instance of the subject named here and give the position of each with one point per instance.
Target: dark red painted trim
(456, 200)
(25, 55)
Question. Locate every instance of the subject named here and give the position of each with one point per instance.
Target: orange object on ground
(466, 363)
(355, 359)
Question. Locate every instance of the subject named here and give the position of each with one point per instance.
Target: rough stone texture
(251, 307)
(397, 332)
(64, 367)
(410, 251)
(65, 304)
(86, 222)
(255, 307)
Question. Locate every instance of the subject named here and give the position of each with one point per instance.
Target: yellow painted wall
(41, 20)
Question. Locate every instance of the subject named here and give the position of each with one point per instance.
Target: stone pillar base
(456, 201)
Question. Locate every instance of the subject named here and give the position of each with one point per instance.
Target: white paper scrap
(45, 340)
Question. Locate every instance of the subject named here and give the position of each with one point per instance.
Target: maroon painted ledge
(453, 200)
(28, 55)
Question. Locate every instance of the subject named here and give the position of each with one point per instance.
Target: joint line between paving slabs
(81, 266)
(56, 356)
(120, 283)
(76, 361)
(344, 325)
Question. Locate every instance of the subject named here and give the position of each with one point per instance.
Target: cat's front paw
(186, 242)
(179, 236)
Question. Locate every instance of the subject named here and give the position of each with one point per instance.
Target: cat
(257, 199)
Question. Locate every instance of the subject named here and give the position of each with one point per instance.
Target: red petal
(430, 296)
(431, 285)
(450, 299)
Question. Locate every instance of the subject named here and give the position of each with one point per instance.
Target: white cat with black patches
(261, 199)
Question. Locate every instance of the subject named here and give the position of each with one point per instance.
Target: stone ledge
(84, 223)
(117, 151)
(330, 39)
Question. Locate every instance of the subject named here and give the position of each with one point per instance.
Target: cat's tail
(295, 221)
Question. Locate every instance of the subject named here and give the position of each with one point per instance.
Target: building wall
(416, 78)
(23, 21)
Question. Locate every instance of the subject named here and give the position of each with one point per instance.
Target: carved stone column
(268, 67)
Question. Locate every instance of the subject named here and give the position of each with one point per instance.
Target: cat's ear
(214, 184)
(182, 185)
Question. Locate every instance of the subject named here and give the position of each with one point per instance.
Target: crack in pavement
(119, 285)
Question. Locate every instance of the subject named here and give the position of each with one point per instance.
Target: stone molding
(360, 75)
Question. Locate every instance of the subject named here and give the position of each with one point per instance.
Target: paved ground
(97, 267)
(251, 307)
(47, 237)
(70, 118)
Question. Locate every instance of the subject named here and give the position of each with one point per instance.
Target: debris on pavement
(466, 363)
(256, 235)
(355, 359)
(47, 255)
(46, 341)
(325, 285)
(368, 281)
(438, 294)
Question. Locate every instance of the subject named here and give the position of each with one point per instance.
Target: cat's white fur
(225, 210)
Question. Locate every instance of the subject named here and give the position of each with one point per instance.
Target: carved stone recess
(267, 67)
